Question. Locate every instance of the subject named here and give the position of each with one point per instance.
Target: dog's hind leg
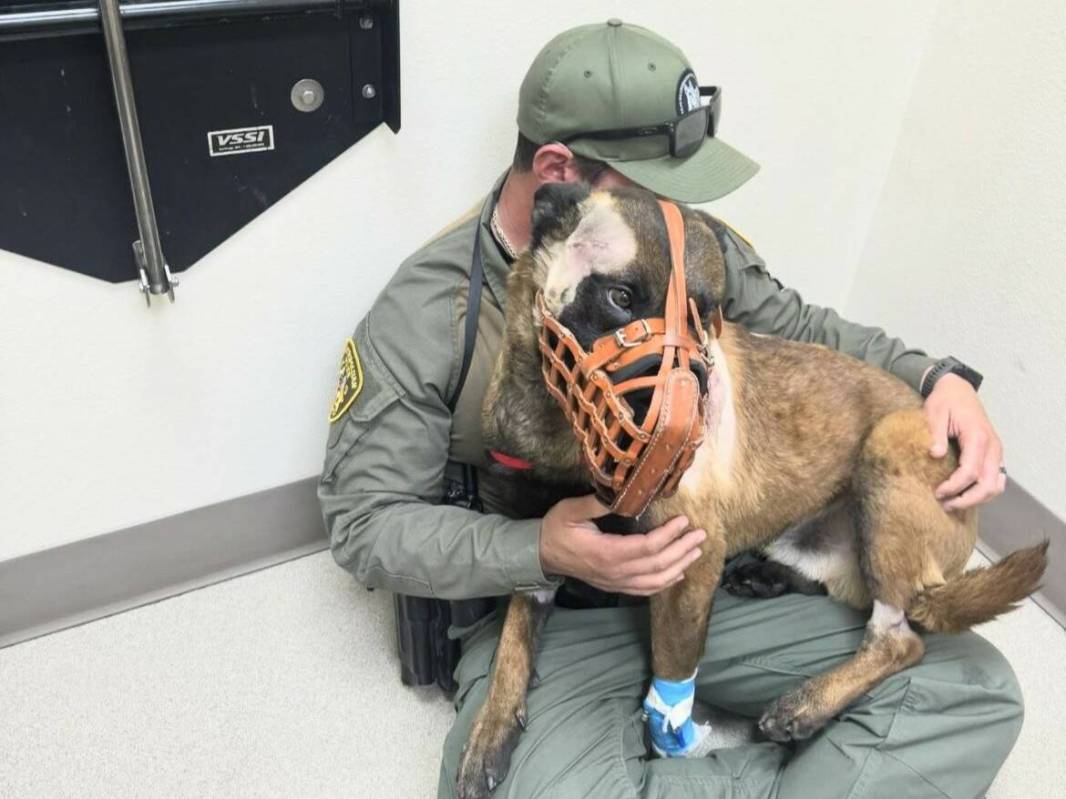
(502, 717)
(900, 525)
(889, 646)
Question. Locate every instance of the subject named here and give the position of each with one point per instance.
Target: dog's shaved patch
(602, 243)
(887, 619)
(720, 437)
(543, 595)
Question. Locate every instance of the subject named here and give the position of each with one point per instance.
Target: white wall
(111, 415)
(966, 249)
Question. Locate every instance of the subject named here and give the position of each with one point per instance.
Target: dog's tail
(979, 595)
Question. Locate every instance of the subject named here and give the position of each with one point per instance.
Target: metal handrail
(148, 250)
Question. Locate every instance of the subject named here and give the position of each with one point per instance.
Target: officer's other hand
(573, 546)
(954, 411)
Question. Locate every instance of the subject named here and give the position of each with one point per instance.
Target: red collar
(510, 461)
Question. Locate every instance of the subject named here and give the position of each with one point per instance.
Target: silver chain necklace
(501, 237)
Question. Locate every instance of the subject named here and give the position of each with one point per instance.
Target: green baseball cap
(613, 77)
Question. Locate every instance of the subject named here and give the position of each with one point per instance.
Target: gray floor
(283, 683)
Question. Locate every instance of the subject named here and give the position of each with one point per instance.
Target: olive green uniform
(942, 727)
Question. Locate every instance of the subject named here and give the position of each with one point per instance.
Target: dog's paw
(795, 716)
(761, 579)
(487, 756)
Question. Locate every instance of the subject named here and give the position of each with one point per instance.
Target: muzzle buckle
(620, 336)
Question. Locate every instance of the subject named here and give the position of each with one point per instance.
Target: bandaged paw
(668, 706)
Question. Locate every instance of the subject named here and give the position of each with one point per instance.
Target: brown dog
(810, 456)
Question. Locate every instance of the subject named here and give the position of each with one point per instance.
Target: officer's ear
(555, 210)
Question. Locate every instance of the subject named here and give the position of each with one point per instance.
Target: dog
(809, 456)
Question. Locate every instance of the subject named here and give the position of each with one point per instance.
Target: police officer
(942, 727)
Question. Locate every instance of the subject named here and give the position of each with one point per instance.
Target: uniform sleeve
(760, 303)
(384, 471)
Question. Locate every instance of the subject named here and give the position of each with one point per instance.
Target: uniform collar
(497, 267)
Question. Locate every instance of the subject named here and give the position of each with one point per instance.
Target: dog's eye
(620, 297)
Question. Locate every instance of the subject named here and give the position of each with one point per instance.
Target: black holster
(427, 654)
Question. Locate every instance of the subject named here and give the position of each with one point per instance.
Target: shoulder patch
(349, 382)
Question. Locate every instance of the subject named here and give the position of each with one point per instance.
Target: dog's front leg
(502, 717)
(679, 618)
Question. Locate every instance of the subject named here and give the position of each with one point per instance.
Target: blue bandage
(669, 709)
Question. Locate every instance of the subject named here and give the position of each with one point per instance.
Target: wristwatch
(950, 366)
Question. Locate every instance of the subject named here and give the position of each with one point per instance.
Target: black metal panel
(64, 189)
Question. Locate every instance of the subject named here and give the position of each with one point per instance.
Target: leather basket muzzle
(634, 461)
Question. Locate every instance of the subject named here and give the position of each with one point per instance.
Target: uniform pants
(940, 728)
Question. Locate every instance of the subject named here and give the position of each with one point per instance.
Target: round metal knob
(307, 95)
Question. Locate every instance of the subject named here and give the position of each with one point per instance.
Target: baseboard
(86, 580)
(1017, 519)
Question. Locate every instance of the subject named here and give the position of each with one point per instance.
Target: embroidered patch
(349, 382)
(688, 92)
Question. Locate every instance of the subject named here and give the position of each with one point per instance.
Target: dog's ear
(708, 248)
(715, 226)
(555, 210)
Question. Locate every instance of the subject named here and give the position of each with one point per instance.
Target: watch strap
(950, 366)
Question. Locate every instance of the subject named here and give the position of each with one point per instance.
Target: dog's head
(603, 257)
(603, 260)
(623, 373)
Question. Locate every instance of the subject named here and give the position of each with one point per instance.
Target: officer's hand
(572, 545)
(954, 411)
